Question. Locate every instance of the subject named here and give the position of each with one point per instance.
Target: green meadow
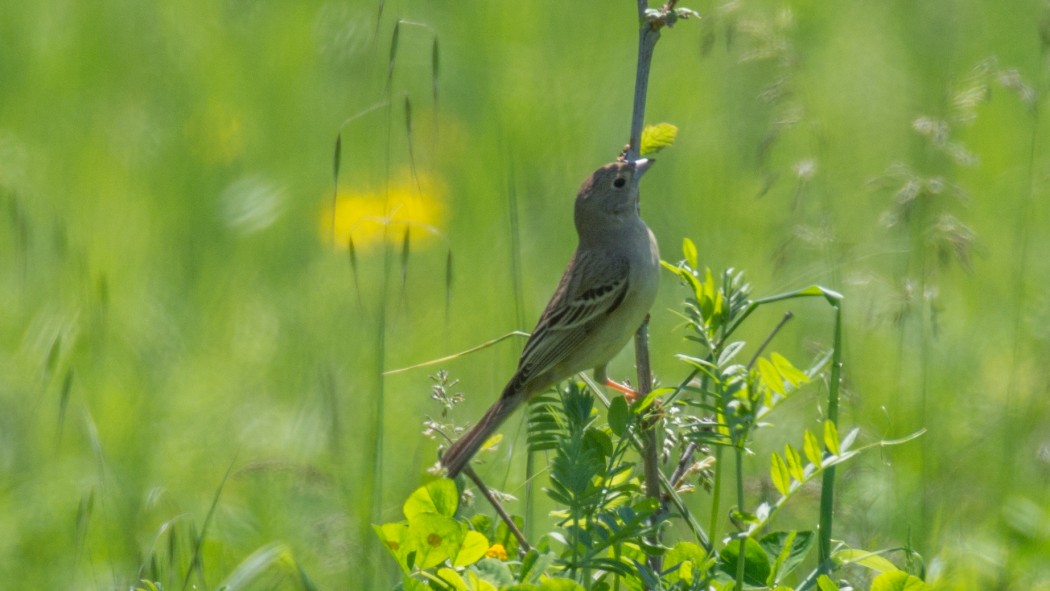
(223, 222)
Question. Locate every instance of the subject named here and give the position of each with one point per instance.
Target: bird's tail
(457, 456)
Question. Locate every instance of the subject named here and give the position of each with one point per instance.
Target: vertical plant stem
(648, 35)
(716, 495)
(741, 557)
(827, 487)
(647, 38)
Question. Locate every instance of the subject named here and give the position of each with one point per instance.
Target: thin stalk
(740, 560)
(716, 494)
(523, 544)
(827, 487)
(647, 38)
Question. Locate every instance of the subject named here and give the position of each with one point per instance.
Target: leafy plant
(608, 531)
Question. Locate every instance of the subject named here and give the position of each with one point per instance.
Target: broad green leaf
(898, 581)
(811, 448)
(794, 463)
(689, 250)
(439, 496)
(864, 558)
(831, 437)
(657, 137)
(778, 471)
(690, 559)
(473, 548)
(824, 583)
(452, 578)
(756, 562)
(434, 538)
(393, 537)
(789, 548)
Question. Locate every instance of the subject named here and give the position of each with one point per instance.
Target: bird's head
(608, 198)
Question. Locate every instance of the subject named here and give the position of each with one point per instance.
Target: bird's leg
(629, 393)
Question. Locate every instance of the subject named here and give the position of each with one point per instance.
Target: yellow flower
(497, 551)
(410, 203)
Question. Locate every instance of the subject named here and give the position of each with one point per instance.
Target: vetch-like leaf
(824, 583)
(794, 463)
(689, 250)
(898, 581)
(811, 448)
(831, 437)
(864, 558)
(788, 372)
(779, 473)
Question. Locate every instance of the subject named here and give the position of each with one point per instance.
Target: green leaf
(689, 250)
(412, 584)
(439, 496)
(811, 448)
(689, 558)
(495, 571)
(770, 376)
(535, 565)
(794, 463)
(657, 137)
(434, 539)
(472, 549)
(898, 581)
(618, 414)
(756, 562)
(393, 537)
(789, 372)
(864, 558)
(831, 437)
(452, 579)
(779, 473)
(790, 549)
(824, 583)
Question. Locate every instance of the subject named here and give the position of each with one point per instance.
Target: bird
(603, 297)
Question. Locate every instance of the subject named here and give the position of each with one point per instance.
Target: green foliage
(608, 528)
(657, 137)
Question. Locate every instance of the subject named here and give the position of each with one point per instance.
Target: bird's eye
(619, 182)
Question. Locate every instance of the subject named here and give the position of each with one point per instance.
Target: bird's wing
(592, 287)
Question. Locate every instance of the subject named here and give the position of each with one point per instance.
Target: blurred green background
(173, 305)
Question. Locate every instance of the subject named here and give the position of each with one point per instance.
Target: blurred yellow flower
(497, 551)
(412, 203)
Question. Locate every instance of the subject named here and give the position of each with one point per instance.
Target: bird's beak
(641, 165)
